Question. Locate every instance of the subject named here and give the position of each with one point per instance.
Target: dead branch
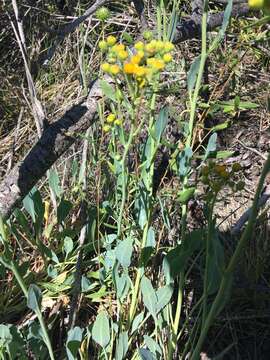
(190, 29)
(55, 140)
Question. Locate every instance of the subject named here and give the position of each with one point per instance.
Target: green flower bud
(147, 35)
(103, 13)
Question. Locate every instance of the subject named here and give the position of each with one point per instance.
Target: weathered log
(55, 140)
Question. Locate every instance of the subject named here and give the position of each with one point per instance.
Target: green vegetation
(105, 259)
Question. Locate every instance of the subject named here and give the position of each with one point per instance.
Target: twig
(71, 27)
(255, 151)
(245, 217)
(37, 109)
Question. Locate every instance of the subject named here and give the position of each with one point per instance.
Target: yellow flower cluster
(150, 58)
(216, 176)
(260, 4)
(111, 120)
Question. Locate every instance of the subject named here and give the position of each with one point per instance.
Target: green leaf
(192, 74)
(152, 346)
(137, 322)
(221, 126)
(146, 354)
(183, 161)
(121, 346)
(186, 194)
(74, 340)
(5, 335)
(127, 37)
(211, 146)
(34, 297)
(216, 262)
(108, 90)
(149, 296)
(176, 259)
(101, 330)
(124, 252)
(225, 23)
(63, 210)
(68, 245)
(160, 124)
(164, 295)
(54, 183)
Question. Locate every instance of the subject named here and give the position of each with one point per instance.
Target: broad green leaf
(183, 161)
(149, 296)
(74, 340)
(137, 322)
(54, 183)
(146, 354)
(192, 74)
(152, 346)
(63, 210)
(5, 335)
(123, 252)
(160, 124)
(211, 146)
(108, 90)
(121, 346)
(176, 259)
(34, 297)
(68, 245)
(164, 295)
(101, 330)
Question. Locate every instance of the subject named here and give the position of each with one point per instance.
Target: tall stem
(188, 143)
(216, 306)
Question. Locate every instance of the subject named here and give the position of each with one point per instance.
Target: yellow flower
(111, 40)
(150, 48)
(110, 118)
(168, 46)
(129, 68)
(156, 64)
(102, 45)
(122, 54)
(115, 69)
(118, 122)
(118, 47)
(139, 46)
(256, 4)
(135, 59)
(140, 53)
(159, 45)
(106, 128)
(140, 71)
(167, 58)
(105, 67)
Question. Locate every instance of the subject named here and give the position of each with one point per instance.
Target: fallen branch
(190, 29)
(55, 140)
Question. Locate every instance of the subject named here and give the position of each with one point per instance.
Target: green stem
(207, 259)
(233, 263)
(124, 180)
(188, 143)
